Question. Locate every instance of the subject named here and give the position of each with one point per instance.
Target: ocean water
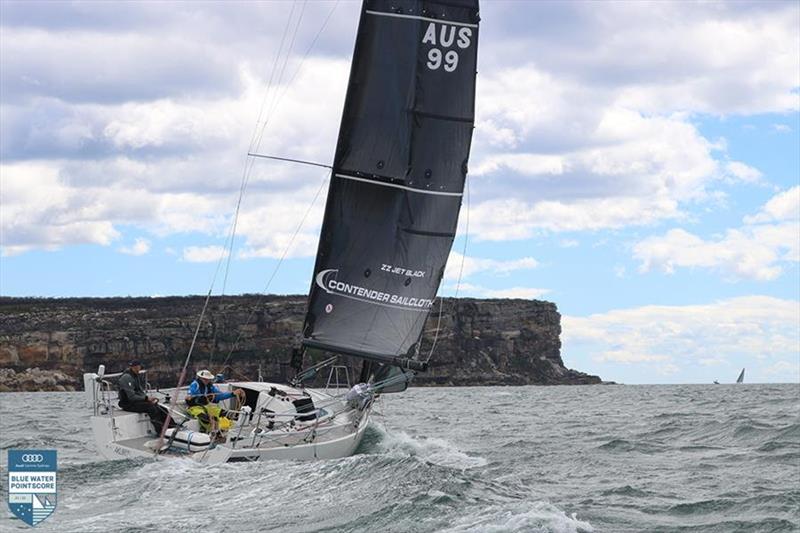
(495, 459)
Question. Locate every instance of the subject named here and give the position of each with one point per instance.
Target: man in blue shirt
(202, 399)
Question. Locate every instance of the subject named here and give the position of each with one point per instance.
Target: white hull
(335, 432)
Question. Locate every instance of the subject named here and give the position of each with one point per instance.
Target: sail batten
(376, 181)
(399, 171)
(390, 360)
(418, 17)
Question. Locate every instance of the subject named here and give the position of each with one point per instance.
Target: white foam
(434, 450)
(539, 517)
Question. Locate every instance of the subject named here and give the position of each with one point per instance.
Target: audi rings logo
(32, 458)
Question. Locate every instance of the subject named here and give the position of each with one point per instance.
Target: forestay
(398, 177)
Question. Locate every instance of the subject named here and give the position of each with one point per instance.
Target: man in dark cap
(133, 398)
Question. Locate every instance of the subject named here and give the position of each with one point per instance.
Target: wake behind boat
(397, 184)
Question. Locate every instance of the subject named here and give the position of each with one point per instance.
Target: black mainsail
(397, 180)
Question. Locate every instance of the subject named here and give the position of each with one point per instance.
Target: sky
(636, 163)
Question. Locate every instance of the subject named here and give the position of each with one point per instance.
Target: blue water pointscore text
(32, 484)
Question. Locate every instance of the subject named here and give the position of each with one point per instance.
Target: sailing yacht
(740, 379)
(395, 193)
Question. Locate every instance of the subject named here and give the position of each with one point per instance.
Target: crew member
(202, 399)
(132, 397)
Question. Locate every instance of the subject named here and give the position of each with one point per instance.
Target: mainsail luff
(397, 179)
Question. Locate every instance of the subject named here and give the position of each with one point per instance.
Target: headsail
(740, 379)
(398, 177)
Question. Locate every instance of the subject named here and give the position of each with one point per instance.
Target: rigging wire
(251, 159)
(229, 245)
(290, 160)
(229, 241)
(174, 401)
(308, 50)
(275, 98)
(257, 137)
(278, 265)
(460, 273)
(257, 142)
(254, 136)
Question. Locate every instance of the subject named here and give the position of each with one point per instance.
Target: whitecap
(533, 517)
(431, 449)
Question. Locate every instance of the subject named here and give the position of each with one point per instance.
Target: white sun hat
(205, 374)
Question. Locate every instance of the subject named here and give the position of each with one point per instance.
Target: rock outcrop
(35, 379)
(46, 344)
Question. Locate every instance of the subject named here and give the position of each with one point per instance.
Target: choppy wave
(433, 450)
(530, 517)
(549, 459)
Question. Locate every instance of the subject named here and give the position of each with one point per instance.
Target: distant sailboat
(740, 379)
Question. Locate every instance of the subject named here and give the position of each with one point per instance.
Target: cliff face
(480, 342)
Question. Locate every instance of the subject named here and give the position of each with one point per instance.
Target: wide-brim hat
(205, 374)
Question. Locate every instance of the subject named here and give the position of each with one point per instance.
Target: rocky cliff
(46, 344)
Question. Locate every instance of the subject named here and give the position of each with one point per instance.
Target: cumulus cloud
(782, 206)
(286, 224)
(465, 266)
(750, 327)
(506, 219)
(95, 66)
(178, 170)
(140, 114)
(628, 154)
(204, 254)
(97, 52)
(139, 247)
(713, 57)
(623, 169)
(743, 171)
(477, 291)
(38, 211)
(756, 251)
(753, 253)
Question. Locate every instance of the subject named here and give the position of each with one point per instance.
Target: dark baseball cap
(135, 362)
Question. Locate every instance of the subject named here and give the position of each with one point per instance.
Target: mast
(397, 179)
